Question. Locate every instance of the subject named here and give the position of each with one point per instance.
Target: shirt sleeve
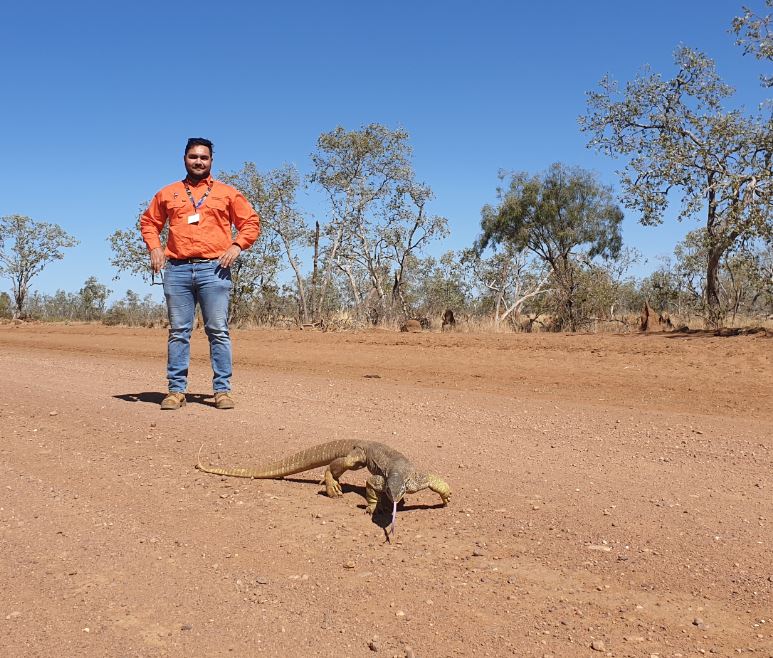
(246, 221)
(152, 223)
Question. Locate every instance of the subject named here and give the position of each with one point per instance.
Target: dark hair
(198, 141)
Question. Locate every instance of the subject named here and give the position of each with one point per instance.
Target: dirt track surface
(612, 495)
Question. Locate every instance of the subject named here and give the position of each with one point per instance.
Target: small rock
(400, 613)
(349, 565)
(13, 615)
(374, 645)
(478, 552)
(53, 413)
(698, 622)
(409, 653)
(598, 645)
(260, 580)
(186, 627)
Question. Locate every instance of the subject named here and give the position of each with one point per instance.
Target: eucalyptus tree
(561, 216)
(282, 224)
(744, 287)
(408, 227)
(26, 247)
(357, 170)
(510, 276)
(129, 252)
(441, 284)
(92, 299)
(378, 216)
(755, 34)
(676, 135)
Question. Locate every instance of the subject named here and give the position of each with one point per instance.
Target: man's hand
(157, 259)
(230, 255)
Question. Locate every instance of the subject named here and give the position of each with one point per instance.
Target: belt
(179, 261)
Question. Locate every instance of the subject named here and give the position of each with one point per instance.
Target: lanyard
(196, 206)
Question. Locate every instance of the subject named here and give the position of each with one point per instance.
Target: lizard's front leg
(374, 485)
(440, 487)
(432, 482)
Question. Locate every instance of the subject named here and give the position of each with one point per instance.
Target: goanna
(392, 474)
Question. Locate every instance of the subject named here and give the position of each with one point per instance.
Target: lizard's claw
(332, 486)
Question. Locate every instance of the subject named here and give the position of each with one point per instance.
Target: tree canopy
(676, 135)
(754, 34)
(26, 247)
(555, 215)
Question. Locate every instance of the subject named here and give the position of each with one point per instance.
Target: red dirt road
(612, 495)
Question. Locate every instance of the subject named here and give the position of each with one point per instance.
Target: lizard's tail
(305, 460)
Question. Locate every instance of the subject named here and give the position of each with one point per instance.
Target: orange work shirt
(209, 237)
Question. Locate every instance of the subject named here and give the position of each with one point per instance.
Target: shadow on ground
(154, 397)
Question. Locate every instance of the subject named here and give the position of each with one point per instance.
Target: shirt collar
(204, 181)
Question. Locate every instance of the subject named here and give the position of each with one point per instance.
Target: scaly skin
(391, 472)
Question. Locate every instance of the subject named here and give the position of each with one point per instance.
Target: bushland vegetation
(549, 254)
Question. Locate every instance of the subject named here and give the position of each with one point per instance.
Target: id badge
(193, 219)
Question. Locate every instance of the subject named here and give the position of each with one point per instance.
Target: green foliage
(507, 280)
(283, 232)
(62, 306)
(130, 254)
(744, 275)
(754, 34)
(553, 215)
(676, 134)
(84, 306)
(135, 311)
(93, 299)
(378, 220)
(559, 216)
(26, 247)
(6, 305)
(744, 285)
(441, 284)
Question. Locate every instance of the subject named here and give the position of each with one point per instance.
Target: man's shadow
(154, 397)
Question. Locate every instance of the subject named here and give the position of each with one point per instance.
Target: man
(200, 250)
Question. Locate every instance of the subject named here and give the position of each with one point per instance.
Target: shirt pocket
(217, 207)
(177, 212)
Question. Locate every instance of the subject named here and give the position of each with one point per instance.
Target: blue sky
(99, 99)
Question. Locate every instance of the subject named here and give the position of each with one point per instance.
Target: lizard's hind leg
(351, 462)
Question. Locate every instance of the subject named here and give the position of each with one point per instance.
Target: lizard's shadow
(382, 517)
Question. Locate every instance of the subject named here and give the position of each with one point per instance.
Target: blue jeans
(209, 285)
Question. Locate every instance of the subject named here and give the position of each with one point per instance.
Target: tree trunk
(714, 306)
(397, 292)
(328, 273)
(314, 273)
(302, 303)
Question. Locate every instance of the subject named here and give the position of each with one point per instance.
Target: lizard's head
(394, 487)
